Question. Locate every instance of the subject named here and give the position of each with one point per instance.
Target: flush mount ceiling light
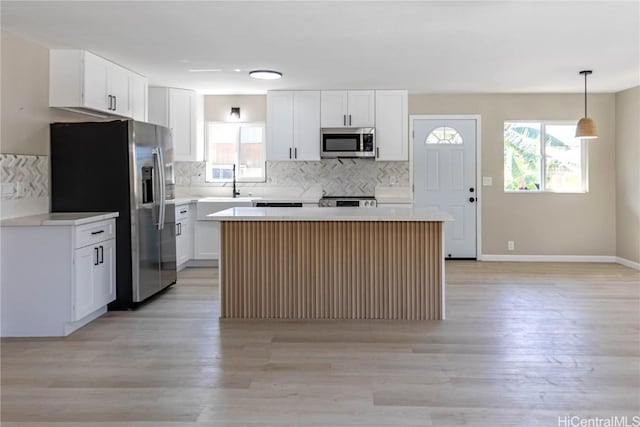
(586, 127)
(265, 74)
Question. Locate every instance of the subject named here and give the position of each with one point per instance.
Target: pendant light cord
(585, 94)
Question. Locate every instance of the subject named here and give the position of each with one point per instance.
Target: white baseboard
(549, 258)
(627, 263)
(201, 263)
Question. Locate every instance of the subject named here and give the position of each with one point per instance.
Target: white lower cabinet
(56, 276)
(94, 270)
(207, 240)
(207, 232)
(184, 234)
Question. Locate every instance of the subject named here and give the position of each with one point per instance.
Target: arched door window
(444, 135)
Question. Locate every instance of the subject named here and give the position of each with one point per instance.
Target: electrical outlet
(487, 181)
(7, 188)
(511, 245)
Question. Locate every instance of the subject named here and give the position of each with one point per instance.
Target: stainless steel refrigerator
(124, 166)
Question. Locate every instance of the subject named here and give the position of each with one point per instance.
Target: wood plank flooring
(523, 344)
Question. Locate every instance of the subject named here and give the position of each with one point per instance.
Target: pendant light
(586, 127)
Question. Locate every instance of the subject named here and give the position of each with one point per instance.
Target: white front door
(444, 176)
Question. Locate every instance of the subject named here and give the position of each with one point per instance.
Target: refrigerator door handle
(157, 193)
(163, 190)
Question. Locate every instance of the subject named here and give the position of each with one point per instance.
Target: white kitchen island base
(298, 264)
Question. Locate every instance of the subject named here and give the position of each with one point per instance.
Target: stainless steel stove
(344, 201)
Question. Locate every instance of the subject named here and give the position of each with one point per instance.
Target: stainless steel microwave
(348, 142)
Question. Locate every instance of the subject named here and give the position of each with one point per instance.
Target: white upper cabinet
(342, 108)
(84, 82)
(306, 125)
(118, 86)
(182, 120)
(361, 108)
(392, 125)
(139, 97)
(293, 125)
(280, 125)
(334, 108)
(176, 109)
(95, 89)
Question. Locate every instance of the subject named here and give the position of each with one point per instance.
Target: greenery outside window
(241, 144)
(544, 156)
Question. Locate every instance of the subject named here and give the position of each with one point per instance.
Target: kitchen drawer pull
(183, 211)
(97, 232)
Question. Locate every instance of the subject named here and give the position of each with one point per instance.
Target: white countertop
(57, 219)
(331, 214)
(274, 199)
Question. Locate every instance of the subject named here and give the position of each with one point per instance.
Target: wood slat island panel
(332, 270)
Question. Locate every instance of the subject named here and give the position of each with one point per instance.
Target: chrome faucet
(235, 192)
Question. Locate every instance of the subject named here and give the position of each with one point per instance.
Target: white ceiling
(423, 46)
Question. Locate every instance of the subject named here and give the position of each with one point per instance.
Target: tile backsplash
(337, 177)
(24, 176)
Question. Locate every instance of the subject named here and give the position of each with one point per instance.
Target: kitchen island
(332, 263)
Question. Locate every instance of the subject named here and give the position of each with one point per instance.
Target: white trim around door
(478, 187)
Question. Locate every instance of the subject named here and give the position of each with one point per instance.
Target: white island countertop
(57, 219)
(331, 214)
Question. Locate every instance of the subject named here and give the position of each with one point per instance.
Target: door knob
(471, 190)
(472, 199)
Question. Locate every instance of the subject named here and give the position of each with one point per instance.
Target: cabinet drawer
(182, 212)
(89, 234)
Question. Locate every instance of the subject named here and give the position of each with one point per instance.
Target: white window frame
(237, 160)
(584, 158)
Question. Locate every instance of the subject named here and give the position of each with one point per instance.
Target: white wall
(25, 116)
(547, 223)
(628, 174)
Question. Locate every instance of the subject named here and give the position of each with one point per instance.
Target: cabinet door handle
(110, 102)
(295, 153)
(101, 254)
(344, 120)
(289, 152)
(97, 232)
(96, 262)
(349, 119)
(377, 152)
(115, 103)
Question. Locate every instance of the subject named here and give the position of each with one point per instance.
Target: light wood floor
(522, 345)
